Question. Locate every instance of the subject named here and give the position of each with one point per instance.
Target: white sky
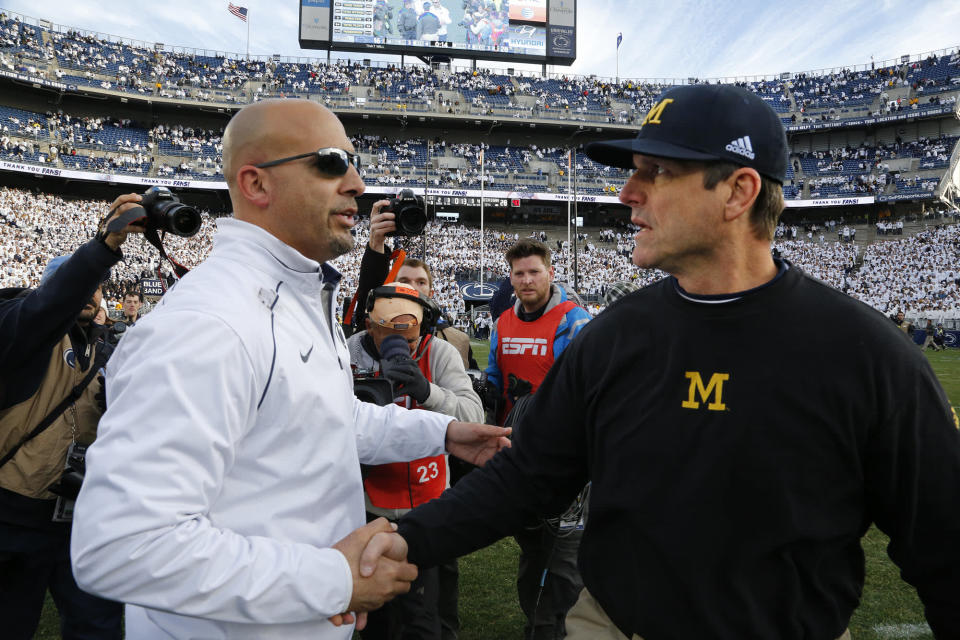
(661, 38)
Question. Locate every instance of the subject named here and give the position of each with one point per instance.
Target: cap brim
(619, 153)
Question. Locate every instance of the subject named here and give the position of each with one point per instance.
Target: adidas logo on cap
(742, 146)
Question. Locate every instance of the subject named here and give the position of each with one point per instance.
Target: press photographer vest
(405, 485)
(525, 349)
(39, 463)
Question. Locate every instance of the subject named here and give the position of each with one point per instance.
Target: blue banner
(563, 42)
(894, 197)
(473, 291)
(951, 337)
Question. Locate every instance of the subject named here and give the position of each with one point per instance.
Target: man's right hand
(120, 206)
(378, 563)
(381, 223)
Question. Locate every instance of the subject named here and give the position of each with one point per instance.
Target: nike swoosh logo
(306, 356)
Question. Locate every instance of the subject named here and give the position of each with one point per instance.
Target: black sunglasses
(331, 161)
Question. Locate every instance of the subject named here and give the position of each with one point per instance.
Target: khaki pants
(588, 621)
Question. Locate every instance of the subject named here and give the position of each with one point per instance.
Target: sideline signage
(151, 287)
(475, 292)
(910, 114)
(435, 193)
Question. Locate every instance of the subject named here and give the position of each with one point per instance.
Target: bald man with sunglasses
(223, 498)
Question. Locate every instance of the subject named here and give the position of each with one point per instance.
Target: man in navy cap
(49, 361)
(730, 489)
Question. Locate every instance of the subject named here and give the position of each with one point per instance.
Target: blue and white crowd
(917, 273)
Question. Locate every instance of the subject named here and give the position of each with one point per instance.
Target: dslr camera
(411, 217)
(165, 212)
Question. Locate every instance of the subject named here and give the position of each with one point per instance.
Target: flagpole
(576, 231)
(248, 39)
(619, 36)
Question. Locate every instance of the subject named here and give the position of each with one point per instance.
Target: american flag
(240, 12)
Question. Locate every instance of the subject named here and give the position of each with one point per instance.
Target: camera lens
(165, 212)
(411, 220)
(184, 221)
(176, 218)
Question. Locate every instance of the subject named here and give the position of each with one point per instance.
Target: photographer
(429, 374)
(374, 268)
(375, 265)
(49, 356)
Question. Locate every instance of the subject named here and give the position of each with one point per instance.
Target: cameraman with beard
(49, 359)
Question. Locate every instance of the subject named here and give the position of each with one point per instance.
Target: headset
(431, 312)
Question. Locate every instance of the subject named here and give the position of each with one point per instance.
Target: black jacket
(374, 268)
(33, 322)
(737, 452)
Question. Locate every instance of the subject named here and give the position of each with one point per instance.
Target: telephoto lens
(165, 212)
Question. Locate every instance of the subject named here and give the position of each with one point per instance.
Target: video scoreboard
(536, 31)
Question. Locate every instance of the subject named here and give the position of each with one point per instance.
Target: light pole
(576, 267)
(426, 199)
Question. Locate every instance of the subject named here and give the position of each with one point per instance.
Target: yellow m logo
(714, 388)
(653, 116)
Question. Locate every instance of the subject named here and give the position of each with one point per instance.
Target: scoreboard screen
(466, 201)
(537, 31)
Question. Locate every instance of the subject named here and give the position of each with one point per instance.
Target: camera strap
(72, 397)
(398, 256)
(135, 214)
(155, 239)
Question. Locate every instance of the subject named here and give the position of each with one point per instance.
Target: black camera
(373, 389)
(490, 396)
(68, 486)
(118, 328)
(165, 212)
(410, 215)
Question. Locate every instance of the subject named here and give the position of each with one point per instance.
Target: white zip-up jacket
(227, 463)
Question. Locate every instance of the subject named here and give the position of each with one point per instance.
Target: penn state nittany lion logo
(70, 358)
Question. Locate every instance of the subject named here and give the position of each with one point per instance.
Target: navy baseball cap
(52, 267)
(56, 263)
(705, 122)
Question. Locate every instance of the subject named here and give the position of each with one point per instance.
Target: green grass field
(488, 599)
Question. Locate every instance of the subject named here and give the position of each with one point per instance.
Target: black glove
(490, 396)
(517, 387)
(406, 377)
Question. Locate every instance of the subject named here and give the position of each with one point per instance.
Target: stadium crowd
(107, 144)
(917, 274)
(84, 58)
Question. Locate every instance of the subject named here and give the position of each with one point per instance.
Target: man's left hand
(474, 442)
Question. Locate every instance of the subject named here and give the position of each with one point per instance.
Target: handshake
(378, 562)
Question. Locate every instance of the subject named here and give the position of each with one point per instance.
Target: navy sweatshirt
(738, 452)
